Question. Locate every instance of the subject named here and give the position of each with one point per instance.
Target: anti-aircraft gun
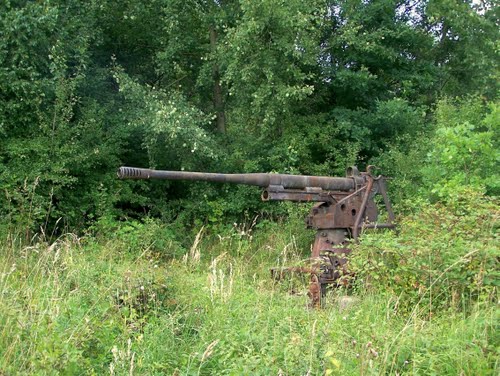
(343, 207)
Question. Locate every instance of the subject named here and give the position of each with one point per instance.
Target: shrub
(445, 256)
(465, 150)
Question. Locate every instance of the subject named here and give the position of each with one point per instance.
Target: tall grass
(101, 306)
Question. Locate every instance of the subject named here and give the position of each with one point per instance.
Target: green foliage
(466, 45)
(267, 58)
(377, 51)
(168, 126)
(458, 153)
(402, 162)
(466, 149)
(53, 136)
(445, 256)
(132, 235)
(304, 87)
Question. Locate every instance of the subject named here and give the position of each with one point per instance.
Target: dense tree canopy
(232, 86)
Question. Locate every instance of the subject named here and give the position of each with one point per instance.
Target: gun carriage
(343, 207)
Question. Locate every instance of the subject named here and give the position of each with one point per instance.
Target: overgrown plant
(444, 257)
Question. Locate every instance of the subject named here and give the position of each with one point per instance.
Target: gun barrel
(258, 179)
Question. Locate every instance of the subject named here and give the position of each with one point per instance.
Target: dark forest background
(303, 87)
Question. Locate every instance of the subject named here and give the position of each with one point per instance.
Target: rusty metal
(259, 179)
(344, 207)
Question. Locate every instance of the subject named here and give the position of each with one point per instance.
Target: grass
(97, 305)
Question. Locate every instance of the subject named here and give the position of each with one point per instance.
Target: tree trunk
(217, 99)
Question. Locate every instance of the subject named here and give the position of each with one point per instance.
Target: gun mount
(343, 207)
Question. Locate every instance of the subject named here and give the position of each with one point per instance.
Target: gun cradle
(336, 221)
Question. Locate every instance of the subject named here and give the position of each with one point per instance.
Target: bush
(445, 256)
(465, 150)
(460, 152)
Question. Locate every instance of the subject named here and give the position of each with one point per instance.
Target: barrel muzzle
(132, 173)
